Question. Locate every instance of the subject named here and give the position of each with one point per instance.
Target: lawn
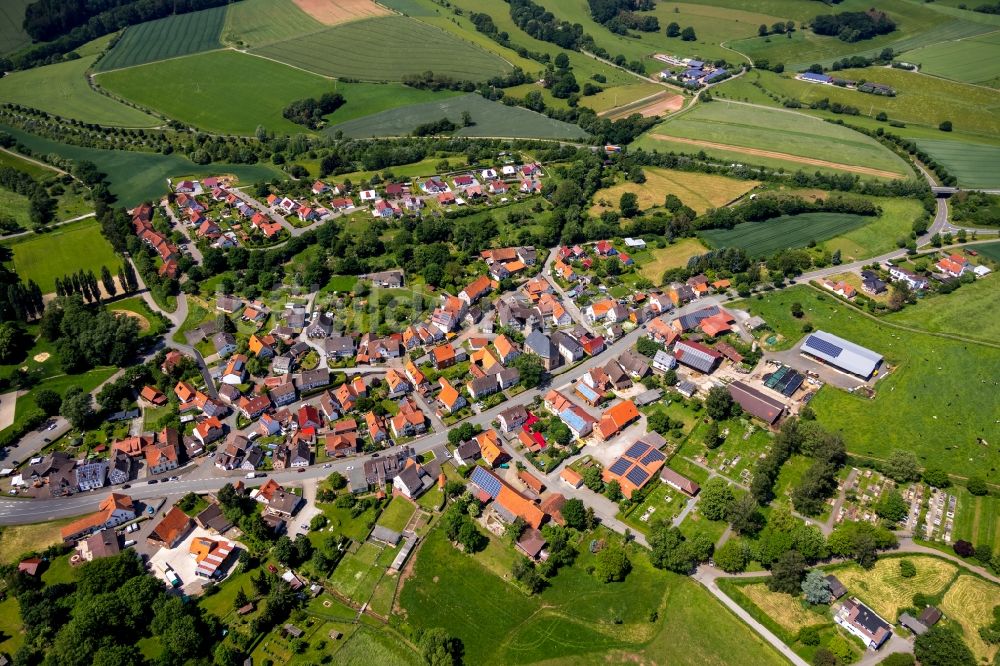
(341, 522)
(957, 312)
(675, 255)
(977, 519)
(12, 34)
(62, 89)
(88, 381)
(386, 49)
(700, 191)
(876, 235)
(252, 23)
(150, 323)
(886, 591)
(65, 249)
(356, 575)
(788, 133)
(789, 612)
(11, 636)
(136, 177)
(933, 402)
(33, 169)
(762, 239)
(210, 91)
(397, 514)
(973, 165)
(973, 60)
(16, 540)
(71, 204)
(170, 37)
(970, 602)
(490, 118)
(368, 646)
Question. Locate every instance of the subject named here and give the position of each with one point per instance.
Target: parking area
(183, 562)
(828, 374)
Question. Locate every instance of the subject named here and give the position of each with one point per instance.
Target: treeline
(484, 24)
(853, 26)
(85, 284)
(19, 301)
(440, 126)
(988, 9)
(618, 15)
(87, 338)
(542, 24)
(310, 111)
(431, 80)
(64, 25)
(41, 207)
(909, 147)
(884, 57)
(771, 206)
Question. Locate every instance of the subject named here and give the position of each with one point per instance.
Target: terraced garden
(170, 37)
(385, 49)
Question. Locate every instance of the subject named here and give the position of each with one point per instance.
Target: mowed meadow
(170, 37)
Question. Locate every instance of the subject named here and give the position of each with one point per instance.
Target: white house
(636, 243)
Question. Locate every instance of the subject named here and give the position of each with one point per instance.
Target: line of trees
(768, 207)
(86, 284)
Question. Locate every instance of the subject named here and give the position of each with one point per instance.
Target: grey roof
(339, 344)
(696, 356)
(913, 624)
(540, 344)
(222, 339)
(755, 402)
(560, 339)
(481, 384)
(688, 388)
(692, 319)
(664, 360)
(647, 397)
(385, 535)
(842, 353)
(468, 450)
(837, 588)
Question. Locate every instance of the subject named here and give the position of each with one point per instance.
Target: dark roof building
(696, 356)
(864, 623)
(679, 482)
(756, 403)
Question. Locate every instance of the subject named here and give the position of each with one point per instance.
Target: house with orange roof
(211, 556)
(444, 356)
(565, 271)
(409, 421)
(508, 503)
(506, 350)
(717, 324)
(638, 465)
(163, 456)
(556, 402)
(490, 448)
(133, 446)
(660, 331)
(416, 377)
(209, 430)
(571, 477)
(260, 346)
(397, 384)
(346, 444)
(476, 290)
(449, 397)
(616, 418)
(531, 482)
(376, 427)
(720, 285)
(115, 509)
(184, 392)
(596, 312)
(153, 396)
(171, 530)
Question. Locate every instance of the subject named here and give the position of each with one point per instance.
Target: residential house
(512, 418)
(578, 420)
(413, 480)
(617, 418)
(541, 345)
(871, 283)
(954, 265)
(696, 356)
(913, 280)
(490, 448)
(209, 430)
(396, 383)
(339, 347)
(314, 379)
(283, 394)
(443, 356)
(171, 530)
(569, 348)
(252, 407)
(346, 444)
(376, 428)
(636, 467)
(571, 477)
(679, 482)
(114, 510)
(449, 397)
(163, 455)
(662, 361)
(153, 396)
(476, 290)
(119, 469)
(863, 622)
(409, 421)
(235, 371)
(224, 343)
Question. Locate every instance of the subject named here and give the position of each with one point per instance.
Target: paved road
(182, 227)
(568, 303)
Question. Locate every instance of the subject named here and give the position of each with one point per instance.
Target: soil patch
(141, 320)
(334, 12)
(659, 105)
(41, 358)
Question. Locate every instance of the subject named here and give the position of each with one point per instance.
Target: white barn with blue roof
(841, 354)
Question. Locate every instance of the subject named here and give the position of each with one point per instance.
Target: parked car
(152, 481)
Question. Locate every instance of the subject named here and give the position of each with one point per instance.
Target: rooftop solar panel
(637, 476)
(823, 346)
(636, 450)
(619, 467)
(793, 385)
(652, 456)
(486, 481)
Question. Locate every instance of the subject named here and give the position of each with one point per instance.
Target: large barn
(842, 354)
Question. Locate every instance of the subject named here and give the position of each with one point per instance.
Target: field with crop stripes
(12, 34)
(171, 37)
(761, 239)
(252, 23)
(385, 49)
(973, 60)
(974, 165)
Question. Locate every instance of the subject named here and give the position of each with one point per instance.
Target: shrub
(907, 569)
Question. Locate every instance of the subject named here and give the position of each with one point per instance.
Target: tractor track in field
(758, 152)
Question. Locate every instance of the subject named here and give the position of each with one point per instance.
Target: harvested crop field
(975, 165)
(887, 592)
(672, 256)
(700, 191)
(772, 154)
(970, 602)
(761, 239)
(784, 609)
(386, 49)
(660, 105)
(170, 37)
(334, 12)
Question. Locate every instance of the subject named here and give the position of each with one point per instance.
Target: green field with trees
(488, 118)
(973, 165)
(66, 249)
(934, 401)
(386, 49)
(171, 37)
(973, 60)
(62, 89)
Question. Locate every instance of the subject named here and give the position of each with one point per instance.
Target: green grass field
(170, 37)
(368, 646)
(574, 620)
(878, 234)
(490, 118)
(210, 90)
(71, 204)
(973, 165)
(34, 169)
(251, 23)
(936, 402)
(66, 249)
(991, 250)
(397, 514)
(62, 89)
(977, 519)
(926, 100)
(12, 34)
(384, 49)
(774, 130)
(137, 177)
(958, 312)
(761, 239)
(973, 60)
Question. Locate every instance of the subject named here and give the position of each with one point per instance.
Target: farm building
(679, 482)
(784, 380)
(696, 356)
(815, 78)
(636, 466)
(841, 353)
(756, 403)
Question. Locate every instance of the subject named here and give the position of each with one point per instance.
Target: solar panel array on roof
(652, 456)
(636, 450)
(793, 384)
(637, 475)
(694, 358)
(821, 345)
(620, 466)
(488, 483)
